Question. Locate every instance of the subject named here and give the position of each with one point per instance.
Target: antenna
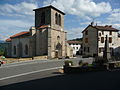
(92, 21)
(50, 2)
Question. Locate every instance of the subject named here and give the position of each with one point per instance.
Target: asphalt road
(82, 81)
(24, 71)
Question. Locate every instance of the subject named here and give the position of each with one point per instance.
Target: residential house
(94, 39)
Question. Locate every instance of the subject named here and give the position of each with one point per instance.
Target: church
(46, 38)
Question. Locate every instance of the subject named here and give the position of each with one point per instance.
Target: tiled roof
(106, 28)
(20, 34)
(43, 26)
(8, 40)
(75, 42)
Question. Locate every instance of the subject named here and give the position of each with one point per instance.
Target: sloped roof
(105, 28)
(8, 40)
(43, 26)
(74, 42)
(26, 33)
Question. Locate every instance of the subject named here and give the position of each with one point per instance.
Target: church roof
(104, 28)
(8, 40)
(50, 6)
(26, 33)
(43, 26)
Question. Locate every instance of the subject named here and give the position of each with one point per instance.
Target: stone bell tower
(49, 16)
(50, 34)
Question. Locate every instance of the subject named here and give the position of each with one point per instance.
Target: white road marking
(29, 73)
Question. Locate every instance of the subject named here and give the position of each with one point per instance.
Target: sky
(17, 15)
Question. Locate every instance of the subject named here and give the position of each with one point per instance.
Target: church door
(56, 54)
(58, 50)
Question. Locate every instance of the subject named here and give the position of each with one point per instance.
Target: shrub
(99, 61)
(80, 62)
(85, 64)
(68, 63)
(67, 57)
(2, 53)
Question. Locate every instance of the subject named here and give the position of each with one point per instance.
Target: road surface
(83, 81)
(29, 70)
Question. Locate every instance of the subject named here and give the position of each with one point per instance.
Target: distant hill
(1, 41)
(77, 39)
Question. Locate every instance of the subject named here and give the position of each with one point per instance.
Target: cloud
(74, 33)
(114, 16)
(20, 9)
(19, 17)
(81, 8)
(11, 27)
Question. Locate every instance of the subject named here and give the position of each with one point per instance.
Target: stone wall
(20, 47)
(38, 17)
(92, 41)
(53, 24)
(53, 41)
(42, 42)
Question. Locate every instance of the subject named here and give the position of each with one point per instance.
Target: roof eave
(49, 7)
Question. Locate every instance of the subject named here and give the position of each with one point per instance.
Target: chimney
(106, 25)
(32, 30)
(92, 23)
(96, 24)
(110, 26)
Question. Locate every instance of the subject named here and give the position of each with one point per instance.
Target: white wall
(76, 47)
(115, 40)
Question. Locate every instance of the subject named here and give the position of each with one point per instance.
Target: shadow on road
(82, 81)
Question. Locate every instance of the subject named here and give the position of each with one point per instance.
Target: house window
(14, 50)
(84, 49)
(88, 49)
(99, 34)
(102, 32)
(86, 32)
(110, 32)
(26, 49)
(43, 18)
(102, 39)
(59, 19)
(86, 40)
(76, 47)
(110, 39)
(101, 49)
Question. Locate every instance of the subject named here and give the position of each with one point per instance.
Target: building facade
(46, 38)
(94, 39)
(76, 45)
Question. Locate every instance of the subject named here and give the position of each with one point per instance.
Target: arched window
(58, 37)
(59, 19)
(26, 49)
(56, 18)
(14, 50)
(43, 18)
